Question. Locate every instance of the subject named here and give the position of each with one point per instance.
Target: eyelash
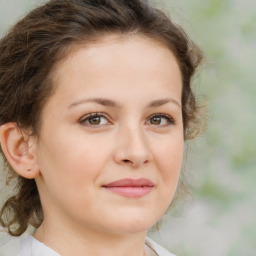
(85, 119)
(169, 119)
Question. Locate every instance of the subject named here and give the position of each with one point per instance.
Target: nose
(132, 148)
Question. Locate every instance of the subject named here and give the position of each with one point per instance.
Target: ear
(19, 149)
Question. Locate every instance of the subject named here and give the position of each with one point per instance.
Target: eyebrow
(101, 101)
(160, 102)
(111, 103)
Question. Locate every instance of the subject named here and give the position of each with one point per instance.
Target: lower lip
(132, 192)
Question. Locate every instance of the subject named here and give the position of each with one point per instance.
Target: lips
(132, 188)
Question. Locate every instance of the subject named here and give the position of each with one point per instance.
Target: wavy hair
(29, 51)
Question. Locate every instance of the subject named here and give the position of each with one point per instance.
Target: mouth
(130, 187)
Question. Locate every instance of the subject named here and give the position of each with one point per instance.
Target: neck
(85, 242)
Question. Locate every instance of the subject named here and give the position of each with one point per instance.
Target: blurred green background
(220, 217)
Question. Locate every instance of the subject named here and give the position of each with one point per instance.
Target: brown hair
(37, 42)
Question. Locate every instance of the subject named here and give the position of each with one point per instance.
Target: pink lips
(130, 187)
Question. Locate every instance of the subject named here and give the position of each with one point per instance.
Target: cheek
(69, 170)
(168, 158)
(75, 162)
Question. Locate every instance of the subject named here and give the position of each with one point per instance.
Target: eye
(94, 119)
(160, 120)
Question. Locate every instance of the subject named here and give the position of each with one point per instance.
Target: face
(111, 139)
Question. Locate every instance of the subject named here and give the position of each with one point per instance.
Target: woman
(96, 103)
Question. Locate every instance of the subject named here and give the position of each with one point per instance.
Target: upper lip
(142, 182)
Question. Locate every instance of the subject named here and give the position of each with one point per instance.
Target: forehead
(114, 62)
(131, 43)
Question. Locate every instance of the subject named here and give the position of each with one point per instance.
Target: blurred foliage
(220, 220)
(221, 163)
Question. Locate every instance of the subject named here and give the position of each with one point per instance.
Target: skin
(137, 77)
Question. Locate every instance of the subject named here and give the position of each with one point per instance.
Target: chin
(129, 224)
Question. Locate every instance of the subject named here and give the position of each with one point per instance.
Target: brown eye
(94, 119)
(155, 120)
(160, 120)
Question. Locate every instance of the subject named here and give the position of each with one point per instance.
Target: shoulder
(11, 248)
(161, 251)
(26, 246)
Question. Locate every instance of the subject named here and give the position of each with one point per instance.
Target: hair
(30, 50)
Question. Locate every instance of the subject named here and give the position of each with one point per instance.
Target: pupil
(156, 120)
(95, 120)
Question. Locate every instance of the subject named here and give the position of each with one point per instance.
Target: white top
(32, 247)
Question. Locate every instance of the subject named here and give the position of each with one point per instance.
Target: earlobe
(18, 149)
